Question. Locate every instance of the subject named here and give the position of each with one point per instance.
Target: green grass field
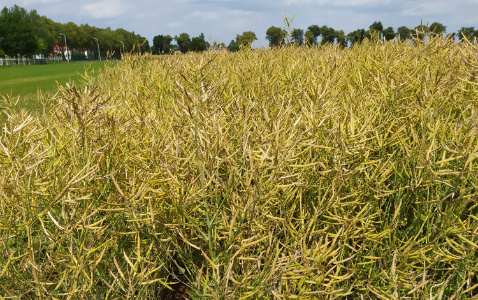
(28, 81)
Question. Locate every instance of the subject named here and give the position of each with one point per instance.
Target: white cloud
(345, 3)
(174, 25)
(104, 9)
(226, 18)
(205, 15)
(223, 14)
(427, 8)
(35, 2)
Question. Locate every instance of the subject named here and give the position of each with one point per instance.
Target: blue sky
(223, 19)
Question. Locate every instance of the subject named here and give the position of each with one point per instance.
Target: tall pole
(123, 46)
(98, 43)
(66, 47)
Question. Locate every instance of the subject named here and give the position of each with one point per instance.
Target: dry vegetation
(279, 174)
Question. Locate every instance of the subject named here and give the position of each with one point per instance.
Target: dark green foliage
(246, 39)
(422, 30)
(388, 34)
(232, 46)
(40, 35)
(356, 36)
(130, 39)
(341, 39)
(377, 26)
(297, 36)
(437, 29)
(217, 45)
(452, 36)
(309, 38)
(404, 33)
(183, 41)
(468, 32)
(162, 43)
(17, 36)
(328, 35)
(199, 43)
(315, 30)
(78, 56)
(275, 36)
(375, 31)
(46, 30)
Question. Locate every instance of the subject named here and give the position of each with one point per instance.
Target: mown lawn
(28, 81)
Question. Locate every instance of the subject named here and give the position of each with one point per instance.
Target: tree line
(184, 43)
(315, 35)
(24, 33)
(324, 34)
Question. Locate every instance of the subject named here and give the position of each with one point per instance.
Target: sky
(222, 20)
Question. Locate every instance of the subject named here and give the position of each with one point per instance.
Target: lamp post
(123, 46)
(66, 47)
(98, 43)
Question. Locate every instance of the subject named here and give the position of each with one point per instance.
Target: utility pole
(98, 43)
(66, 47)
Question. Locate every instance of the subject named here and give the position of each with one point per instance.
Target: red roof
(58, 48)
(62, 48)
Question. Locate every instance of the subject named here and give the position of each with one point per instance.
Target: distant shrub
(78, 56)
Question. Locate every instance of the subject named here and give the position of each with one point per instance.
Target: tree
(377, 26)
(233, 46)
(108, 41)
(297, 36)
(158, 43)
(246, 39)
(92, 32)
(315, 30)
(154, 50)
(47, 35)
(132, 42)
(143, 43)
(403, 33)
(309, 38)
(162, 43)
(198, 43)
(275, 35)
(219, 46)
(356, 36)
(388, 34)
(341, 38)
(45, 30)
(437, 29)
(451, 36)
(328, 35)
(71, 30)
(183, 42)
(419, 32)
(467, 32)
(374, 31)
(167, 39)
(17, 33)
